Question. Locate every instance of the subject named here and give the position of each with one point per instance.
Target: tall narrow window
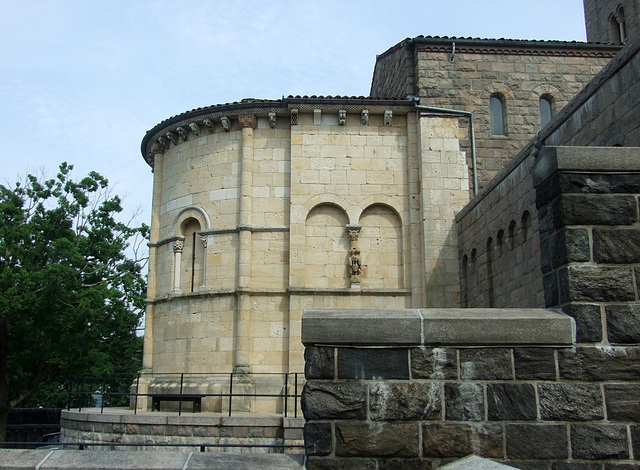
(496, 110)
(614, 30)
(545, 111)
(192, 256)
(622, 27)
(617, 27)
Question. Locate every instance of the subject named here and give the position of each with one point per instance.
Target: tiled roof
(501, 42)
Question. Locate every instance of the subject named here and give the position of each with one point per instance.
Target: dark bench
(195, 399)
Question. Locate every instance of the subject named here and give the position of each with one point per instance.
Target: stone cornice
(234, 116)
(519, 49)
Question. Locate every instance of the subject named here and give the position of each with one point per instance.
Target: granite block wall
(499, 246)
(587, 199)
(605, 112)
(530, 406)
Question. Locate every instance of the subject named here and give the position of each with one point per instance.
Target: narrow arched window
(614, 30)
(546, 112)
(192, 256)
(622, 27)
(617, 27)
(497, 112)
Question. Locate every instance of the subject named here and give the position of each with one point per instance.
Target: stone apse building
(265, 208)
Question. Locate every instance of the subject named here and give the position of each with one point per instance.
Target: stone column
(158, 154)
(204, 239)
(177, 262)
(243, 309)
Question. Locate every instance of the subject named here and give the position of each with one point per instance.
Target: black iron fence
(118, 390)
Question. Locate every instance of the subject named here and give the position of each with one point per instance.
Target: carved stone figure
(355, 265)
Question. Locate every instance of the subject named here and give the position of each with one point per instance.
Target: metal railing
(115, 390)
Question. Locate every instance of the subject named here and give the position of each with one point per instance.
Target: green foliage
(70, 298)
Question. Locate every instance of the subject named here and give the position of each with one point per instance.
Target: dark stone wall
(590, 240)
(528, 407)
(598, 12)
(393, 76)
(499, 245)
(605, 112)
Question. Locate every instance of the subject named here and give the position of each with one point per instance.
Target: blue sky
(81, 81)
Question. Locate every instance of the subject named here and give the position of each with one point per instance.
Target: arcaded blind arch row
(488, 271)
(378, 239)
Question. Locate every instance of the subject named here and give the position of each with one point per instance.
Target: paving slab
(19, 459)
(228, 461)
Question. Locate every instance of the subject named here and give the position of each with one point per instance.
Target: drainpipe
(472, 131)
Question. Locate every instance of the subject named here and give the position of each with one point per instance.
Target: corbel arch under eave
(194, 212)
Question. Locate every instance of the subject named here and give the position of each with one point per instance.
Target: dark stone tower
(612, 21)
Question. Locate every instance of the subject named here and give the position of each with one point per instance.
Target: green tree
(70, 297)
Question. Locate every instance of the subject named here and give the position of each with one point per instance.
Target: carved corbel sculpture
(354, 231)
(226, 123)
(273, 120)
(194, 128)
(364, 117)
(294, 117)
(209, 124)
(156, 147)
(172, 137)
(182, 132)
(342, 117)
(388, 114)
(164, 142)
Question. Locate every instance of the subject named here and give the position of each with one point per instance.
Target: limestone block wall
(262, 208)
(518, 73)
(421, 388)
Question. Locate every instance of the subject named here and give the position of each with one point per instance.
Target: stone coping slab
(126, 416)
(585, 160)
(473, 462)
(441, 326)
(153, 460)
